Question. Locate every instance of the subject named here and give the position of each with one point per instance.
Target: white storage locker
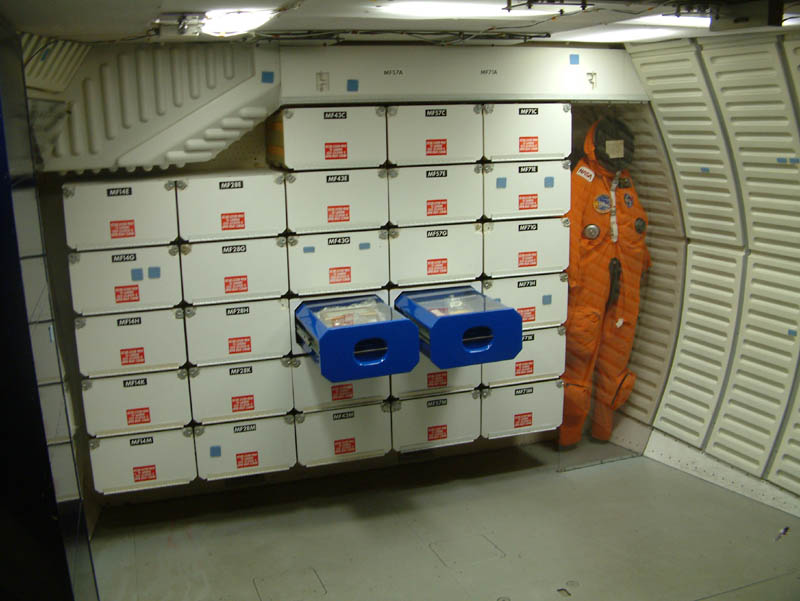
(233, 271)
(514, 410)
(26, 219)
(420, 255)
(238, 332)
(320, 263)
(110, 281)
(343, 434)
(442, 194)
(522, 247)
(426, 378)
(120, 214)
(330, 201)
(236, 449)
(241, 390)
(46, 359)
(437, 421)
(36, 290)
(422, 134)
(130, 342)
(133, 462)
(312, 391)
(224, 206)
(542, 357)
(541, 300)
(62, 466)
(518, 132)
(136, 403)
(334, 137)
(526, 190)
(54, 414)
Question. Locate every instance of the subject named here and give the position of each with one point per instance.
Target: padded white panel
(62, 466)
(26, 218)
(785, 470)
(437, 421)
(54, 413)
(312, 391)
(46, 358)
(764, 365)
(522, 409)
(37, 292)
(708, 322)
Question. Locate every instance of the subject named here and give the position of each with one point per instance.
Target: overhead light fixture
(234, 21)
(617, 34)
(421, 9)
(671, 21)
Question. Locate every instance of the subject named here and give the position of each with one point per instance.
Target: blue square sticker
(501, 182)
(547, 299)
(574, 59)
(352, 85)
(363, 245)
(268, 77)
(215, 450)
(549, 181)
(308, 249)
(137, 274)
(153, 273)
(783, 160)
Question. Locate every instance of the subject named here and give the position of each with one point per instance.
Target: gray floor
(510, 525)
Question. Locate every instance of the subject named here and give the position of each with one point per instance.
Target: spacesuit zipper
(614, 226)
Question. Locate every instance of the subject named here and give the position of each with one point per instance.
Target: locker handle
(370, 351)
(477, 339)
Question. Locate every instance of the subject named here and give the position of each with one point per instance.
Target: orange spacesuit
(607, 258)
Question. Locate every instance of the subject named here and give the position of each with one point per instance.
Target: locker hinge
(484, 168)
(288, 113)
(188, 432)
(281, 241)
(393, 233)
(563, 277)
(380, 111)
(79, 323)
(487, 284)
(86, 384)
(94, 443)
(289, 419)
(68, 191)
(391, 111)
(289, 362)
(172, 184)
(395, 406)
(383, 173)
(386, 407)
(74, 258)
(288, 178)
(173, 250)
(486, 393)
(194, 372)
(560, 384)
(181, 373)
(488, 109)
(565, 221)
(565, 165)
(187, 312)
(198, 430)
(299, 418)
(567, 108)
(478, 227)
(488, 227)
(179, 313)
(186, 249)
(477, 109)
(562, 331)
(293, 240)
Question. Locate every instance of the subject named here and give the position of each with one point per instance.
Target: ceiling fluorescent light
(626, 34)
(414, 9)
(229, 22)
(671, 21)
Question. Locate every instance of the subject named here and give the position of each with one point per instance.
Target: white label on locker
(436, 422)
(129, 279)
(525, 190)
(336, 436)
(542, 357)
(446, 194)
(226, 272)
(241, 390)
(238, 332)
(312, 391)
(228, 206)
(334, 137)
(420, 134)
(515, 410)
(527, 132)
(521, 247)
(426, 378)
(327, 201)
(337, 263)
(436, 254)
(123, 463)
(136, 403)
(130, 342)
(119, 214)
(235, 449)
(541, 300)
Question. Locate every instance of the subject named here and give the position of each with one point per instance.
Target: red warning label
(126, 294)
(338, 213)
(436, 147)
(523, 420)
(529, 144)
(140, 415)
(528, 313)
(131, 356)
(341, 392)
(437, 432)
(245, 402)
(248, 459)
(527, 259)
(437, 266)
(528, 202)
(339, 275)
(335, 151)
(232, 221)
(235, 283)
(436, 207)
(523, 368)
(143, 473)
(437, 379)
(239, 345)
(344, 446)
(123, 229)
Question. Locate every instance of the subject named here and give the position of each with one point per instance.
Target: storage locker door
(125, 463)
(46, 359)
(446, 194)
(243, 448)
(426, 378)
(26, 218)
(527, 131)
(525, 190)
(120, 214)
(239, 332)
(542, 357)
(522, 247)
(37, 292)
(130, 342)
(54, 414)
(234, 205)
(785, 470)
(140, 403)
(241, 391)
(125, 279)
(312, 391)
(421, 255)
(233, 271)
(540, 300)
(337, 263)
(421, 134)
(331, 201)
(436, 421)
(514, 410)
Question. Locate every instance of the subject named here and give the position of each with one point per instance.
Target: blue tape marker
(501, 182)
(352, 85)
(137, 274)
(215, 450)
(308, 249)
(783, 160)
(547, 299)
(267, 77)
(153, 273)
(705, 170)
(794, 160)
(792, 332)
(363, 245)
(574, 59)
(549, 181)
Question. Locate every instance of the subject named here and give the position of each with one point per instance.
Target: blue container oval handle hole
(370, 351)
(477, 339)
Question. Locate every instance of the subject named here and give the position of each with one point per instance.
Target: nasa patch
(586, 173)
(628, 200)
(602, 204)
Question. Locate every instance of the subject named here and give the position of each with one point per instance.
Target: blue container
(460, 326)
(357, 337)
